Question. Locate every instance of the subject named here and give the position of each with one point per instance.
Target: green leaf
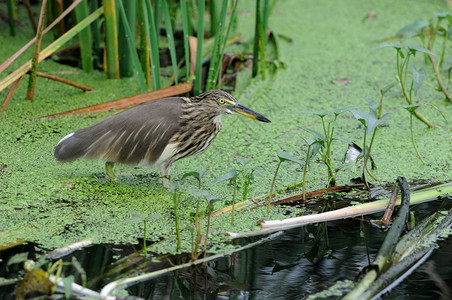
(284, 156)
(418, 78)
(442, 15)
(317, 134)
(395, 45)
(414, 48)
(17, 258)
(230, 175)
(243, 161)
(387, 88)
(258, 170)
(339, 111)
(67, 282)
(413, 29)
(369, 120)
(321, 114)
(411, 108)
(197, 174)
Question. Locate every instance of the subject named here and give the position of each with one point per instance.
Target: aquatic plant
(196, 239)
(175, 193)
(196, 174)
(411, 109)
(403, 55)
(282, 156)
(313, 148)
(429, 31)
(370, 121)
(325, 138)
(246, 176)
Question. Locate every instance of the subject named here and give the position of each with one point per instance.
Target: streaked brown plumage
(156, 133)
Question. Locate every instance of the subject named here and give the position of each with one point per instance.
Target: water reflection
(300, 262)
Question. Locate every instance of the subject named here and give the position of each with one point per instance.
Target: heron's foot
(109, 170)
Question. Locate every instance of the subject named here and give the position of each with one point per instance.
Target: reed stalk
(200, 40)
(35, 59)
(111, 39)
(128, 13)
(85, 38)
(170, 36)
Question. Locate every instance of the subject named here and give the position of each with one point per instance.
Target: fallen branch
(66, 81)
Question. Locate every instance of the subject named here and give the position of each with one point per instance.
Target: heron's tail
(69, 148)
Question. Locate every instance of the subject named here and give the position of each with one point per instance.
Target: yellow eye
(221, 101)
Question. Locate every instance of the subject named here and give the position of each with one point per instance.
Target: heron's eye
(221, 101)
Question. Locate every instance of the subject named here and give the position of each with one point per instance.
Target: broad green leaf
(230, 175)
(442, 15)
(284, 156)
(321, 114)
(395, 44)
(258, 170)
(418, 78)
(210, 199)
(17, 258)
(67, 282)
(414, 28)
(411, 108)
(243, 161)
(316, 134)
(309, 141)
(387, 88)
(414, 48)
(369, 120)
(197, 174)
(339, 111)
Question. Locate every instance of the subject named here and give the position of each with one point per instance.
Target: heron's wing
(134, 136)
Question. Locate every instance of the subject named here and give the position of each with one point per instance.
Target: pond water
(296, 264)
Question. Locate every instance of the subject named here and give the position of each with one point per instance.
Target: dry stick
(13, 57)
(66, 81)
(30, 15)
(389, 210)
(129, 101)
(10, 93)
(34, 62)
(436, 69)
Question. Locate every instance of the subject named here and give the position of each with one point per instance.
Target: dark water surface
(300, 262)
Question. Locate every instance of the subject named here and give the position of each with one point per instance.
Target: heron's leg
(165, 169)
(109, 170)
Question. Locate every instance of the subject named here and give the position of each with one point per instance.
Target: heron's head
(224, 103)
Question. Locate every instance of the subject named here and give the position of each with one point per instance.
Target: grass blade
(131, 46)
(111, 39)
(128, 13)
(144, 44)
(85, 38)
(11, 7)
(169, 34)
(217, 48)
(153, 44)
(185, 27)
(34, 62)
(200, 40)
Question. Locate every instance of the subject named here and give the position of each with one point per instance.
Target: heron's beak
(238, 108)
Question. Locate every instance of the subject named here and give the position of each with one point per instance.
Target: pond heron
(155, 133)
